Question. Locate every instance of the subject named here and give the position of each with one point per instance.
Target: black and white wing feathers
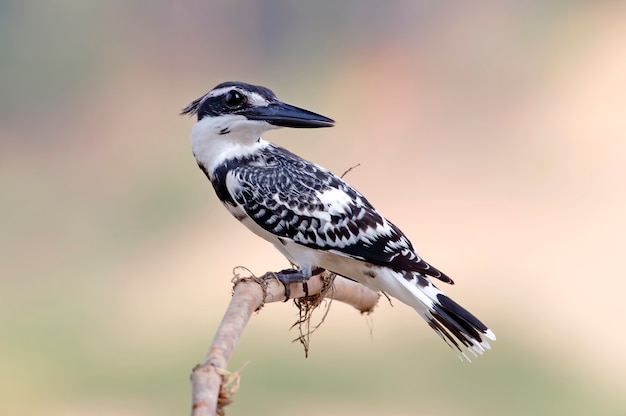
(301, 201)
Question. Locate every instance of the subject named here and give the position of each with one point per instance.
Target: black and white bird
(310, 215)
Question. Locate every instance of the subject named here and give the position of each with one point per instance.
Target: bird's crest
(192, 109)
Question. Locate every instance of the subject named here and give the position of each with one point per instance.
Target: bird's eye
(233, 99)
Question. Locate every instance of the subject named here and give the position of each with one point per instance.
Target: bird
(312, 216)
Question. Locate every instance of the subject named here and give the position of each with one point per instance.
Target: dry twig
(212, 385)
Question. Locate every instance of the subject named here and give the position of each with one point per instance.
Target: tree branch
(212, 386)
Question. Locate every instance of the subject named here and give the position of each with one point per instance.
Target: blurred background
(491, 133)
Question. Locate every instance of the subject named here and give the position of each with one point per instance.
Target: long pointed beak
(286, 115)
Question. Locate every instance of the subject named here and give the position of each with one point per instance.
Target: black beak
(286, 115)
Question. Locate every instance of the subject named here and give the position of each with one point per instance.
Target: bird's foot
(289, 276)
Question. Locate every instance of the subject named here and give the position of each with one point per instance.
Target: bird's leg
(293, 275)
(289, 276)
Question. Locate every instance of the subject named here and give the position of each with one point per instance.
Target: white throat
(216, 139)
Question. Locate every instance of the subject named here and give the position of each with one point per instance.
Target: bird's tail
(454, 324)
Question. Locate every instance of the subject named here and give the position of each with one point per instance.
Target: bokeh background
(492, 133)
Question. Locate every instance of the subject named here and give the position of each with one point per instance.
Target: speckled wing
(298, 200)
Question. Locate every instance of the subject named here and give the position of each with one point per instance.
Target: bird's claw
(289, 276)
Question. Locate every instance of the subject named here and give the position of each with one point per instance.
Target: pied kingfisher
(310, 215)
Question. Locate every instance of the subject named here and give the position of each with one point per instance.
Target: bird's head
(240, 108)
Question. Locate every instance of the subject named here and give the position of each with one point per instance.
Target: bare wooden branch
(213, 386)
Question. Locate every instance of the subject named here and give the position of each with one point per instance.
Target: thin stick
(209, 393)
